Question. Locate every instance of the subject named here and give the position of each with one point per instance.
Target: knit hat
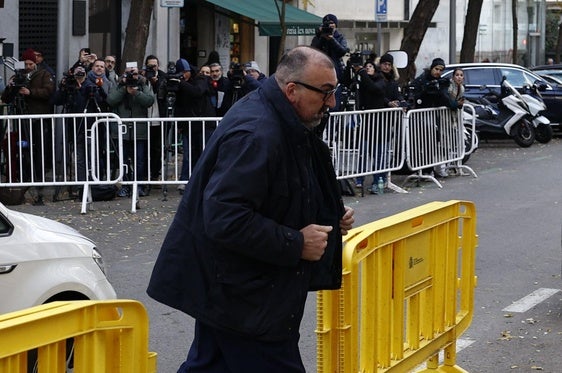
(252, 65)
(387, 58)
(29, 54)
(182, 65)
(330, 18)
(437, 62)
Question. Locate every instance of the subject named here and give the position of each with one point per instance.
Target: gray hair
(295, 64)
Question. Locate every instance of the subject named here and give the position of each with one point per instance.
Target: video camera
(149, 72)
(21, 79)
(236, 75)
(173, 78)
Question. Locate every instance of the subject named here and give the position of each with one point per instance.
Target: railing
(100, 336)
(82, 150)
(407, 292)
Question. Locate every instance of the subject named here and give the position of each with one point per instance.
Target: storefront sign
(171, 3)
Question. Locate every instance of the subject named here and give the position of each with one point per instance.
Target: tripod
(168, 138)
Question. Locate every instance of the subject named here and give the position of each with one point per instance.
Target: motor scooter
(512, 113)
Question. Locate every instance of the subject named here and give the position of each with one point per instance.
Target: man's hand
(315, 241)
(347, 220)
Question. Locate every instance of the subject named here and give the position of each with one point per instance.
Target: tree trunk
(558, 44)
(515, 29)
(136, 34)
(281, 13)
(471, 24)
(414, 34)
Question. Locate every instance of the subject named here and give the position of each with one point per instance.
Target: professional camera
(21, 79)
(69, 82)
(433, 86)
(131, 80)
(149, 72)
(173, 78)
(236, 75)
(326, 30)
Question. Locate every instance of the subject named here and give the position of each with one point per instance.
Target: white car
(42, 260)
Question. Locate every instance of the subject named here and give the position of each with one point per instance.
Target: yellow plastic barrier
(407, 293)
(109, 336)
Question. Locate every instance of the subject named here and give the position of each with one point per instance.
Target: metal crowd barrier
(165, 142)
(407, 292)
(101, 336)
(435, 137)
(366, 143)
(83, 150)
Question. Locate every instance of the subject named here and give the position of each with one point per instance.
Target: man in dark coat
(259, 225)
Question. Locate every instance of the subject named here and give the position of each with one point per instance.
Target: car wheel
(523, 133)
(543, 133)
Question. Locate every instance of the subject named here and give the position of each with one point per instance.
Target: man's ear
(291, 92)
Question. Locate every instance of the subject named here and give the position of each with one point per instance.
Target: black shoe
(143, 191)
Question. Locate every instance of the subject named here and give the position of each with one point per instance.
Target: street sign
(381, 10)
(171, 3)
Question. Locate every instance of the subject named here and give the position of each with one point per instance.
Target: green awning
(264, 12)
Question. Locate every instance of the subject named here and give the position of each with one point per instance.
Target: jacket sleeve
(371, 86)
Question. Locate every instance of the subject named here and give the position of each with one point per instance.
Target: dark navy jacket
(231, 258)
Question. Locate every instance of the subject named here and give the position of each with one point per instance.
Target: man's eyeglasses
(109, 61)
(327, 93)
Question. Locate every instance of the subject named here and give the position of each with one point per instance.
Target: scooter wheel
(523, 133)
(543, 133)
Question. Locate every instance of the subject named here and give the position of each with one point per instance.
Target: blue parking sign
(381, 10)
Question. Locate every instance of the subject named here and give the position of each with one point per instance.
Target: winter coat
(42, 87)
(132, 106)
(232, 255)
(430, 91)
(335, 48)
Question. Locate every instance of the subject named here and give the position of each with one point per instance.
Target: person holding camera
(431, 90)
(131, 99)
(329, 40)
(241, 84)
(71, 94)
(156, 79)
(30, 91)
(86, 59)
(193, 100)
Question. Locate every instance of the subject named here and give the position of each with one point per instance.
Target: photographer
(86, 59)
(156, 79)
(329, 40)
(241, 84)
(131, 99)
(193, 100)
(29, 92)
(430, 90)
(71, 93)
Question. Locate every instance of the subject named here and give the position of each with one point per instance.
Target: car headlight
(96, 255)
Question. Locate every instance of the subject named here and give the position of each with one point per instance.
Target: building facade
(244, 30)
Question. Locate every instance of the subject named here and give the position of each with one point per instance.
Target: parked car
(551, 70)
(479, 78)
(42, 260)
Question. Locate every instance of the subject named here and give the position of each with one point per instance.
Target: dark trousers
(217, 351)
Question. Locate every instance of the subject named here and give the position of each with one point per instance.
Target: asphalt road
(518, 199)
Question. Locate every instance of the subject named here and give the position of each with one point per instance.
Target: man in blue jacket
(260, 224)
